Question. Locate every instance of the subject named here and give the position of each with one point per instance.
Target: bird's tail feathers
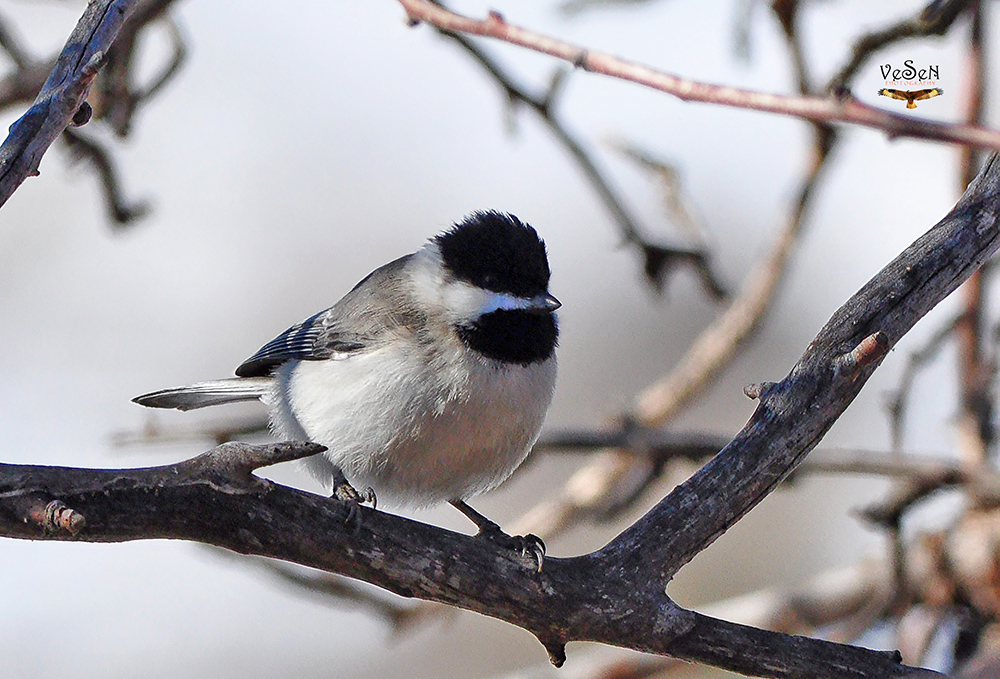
(206, 394)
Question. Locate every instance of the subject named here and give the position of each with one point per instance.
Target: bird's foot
(345, 492)
(352, 498)
(528, 546)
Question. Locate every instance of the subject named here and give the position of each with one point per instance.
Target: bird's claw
(532, 545)
(350, 496)
(345, 492)
(528, 546)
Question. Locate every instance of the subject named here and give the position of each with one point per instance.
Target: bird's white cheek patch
(465, 302)
(496, 301)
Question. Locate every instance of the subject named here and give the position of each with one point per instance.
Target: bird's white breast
(418, 427)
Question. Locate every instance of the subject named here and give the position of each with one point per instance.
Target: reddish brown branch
(975, 424)
(844, 109)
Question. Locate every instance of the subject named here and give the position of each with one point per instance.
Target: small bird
(427, 382)
(911, 97)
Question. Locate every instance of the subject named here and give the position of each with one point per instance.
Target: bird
(911, 97)
(428, 382)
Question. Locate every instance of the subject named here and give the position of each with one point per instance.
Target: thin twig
(896, 400)
(935, 19)
(659, 259)
(10, 42)
(677, 204)
(718, 343)
(215, 431)
(341, 591)
(120, 97)
(177, 59)
(121, 211)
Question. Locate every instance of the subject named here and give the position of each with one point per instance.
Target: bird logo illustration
(911, 97)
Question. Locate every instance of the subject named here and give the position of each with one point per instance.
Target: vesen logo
(909, 72)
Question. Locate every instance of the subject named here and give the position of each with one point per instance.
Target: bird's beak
(543, 304)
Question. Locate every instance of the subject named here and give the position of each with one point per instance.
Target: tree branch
(121, 211)
(843, 108)
(659, 260)
(63, 93)
(935, 19)
(214, 498)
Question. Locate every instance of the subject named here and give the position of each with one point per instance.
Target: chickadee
(427, 382)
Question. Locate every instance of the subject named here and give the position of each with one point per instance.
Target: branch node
(94, 64)
(581, 59)
(555, 87)
(243, 457)
(556, 651)
(870, 350)
(758, 390)
(56, 517)
(236, 460)
(842, 93)
(82, 115)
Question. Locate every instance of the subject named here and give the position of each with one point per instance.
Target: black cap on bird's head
(510, 318)
(498, 252)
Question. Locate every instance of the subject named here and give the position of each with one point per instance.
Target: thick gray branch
(795, 413)
(215, 499)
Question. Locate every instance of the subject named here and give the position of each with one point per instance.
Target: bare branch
(662, 447)
(660, 260)
(341, 591)
(215, 499)
(896, 401)
(63, 93)
(90, 150)
(120, 97)
(975, 426)
(679, 206)
(935, 19)
(10, 42)
(217, 431)
(843, 108)
(718, 343)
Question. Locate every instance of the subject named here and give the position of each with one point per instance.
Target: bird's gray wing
(359, 320)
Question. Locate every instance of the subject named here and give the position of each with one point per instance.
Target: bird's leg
(527, 545)
(345, 492)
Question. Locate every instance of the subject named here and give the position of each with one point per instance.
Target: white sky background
(298, 150)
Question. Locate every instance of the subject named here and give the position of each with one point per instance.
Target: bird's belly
(441, 432)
